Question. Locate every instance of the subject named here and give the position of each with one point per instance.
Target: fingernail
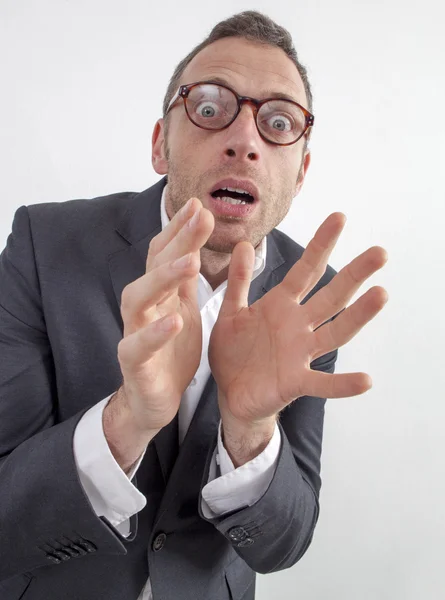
(182, 262)
(194, 220)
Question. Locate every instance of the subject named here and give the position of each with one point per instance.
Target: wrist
(125, 439)
(242, 424)
(243, 439)
(243, 445)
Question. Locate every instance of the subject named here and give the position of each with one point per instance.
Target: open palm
(260, 355)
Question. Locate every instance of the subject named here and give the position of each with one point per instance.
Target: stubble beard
(182, 187)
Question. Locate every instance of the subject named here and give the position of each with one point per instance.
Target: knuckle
(121, 352)
(349, 272)
(153, 247)
(195, 263)
(126, 298)
(307, 265)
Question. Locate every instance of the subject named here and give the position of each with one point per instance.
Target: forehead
(250, 68)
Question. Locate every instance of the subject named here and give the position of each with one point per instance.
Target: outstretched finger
(239, 278)
(338, 385)
(334, 296)
(309, 269)
(349, 322)
(160, 241)
(140, 297)
(135, 349)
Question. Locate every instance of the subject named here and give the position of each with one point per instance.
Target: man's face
(196, 159)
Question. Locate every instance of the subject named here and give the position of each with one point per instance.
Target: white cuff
(240, 487)
(108, 488)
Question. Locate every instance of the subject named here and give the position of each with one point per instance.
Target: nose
(242, 140)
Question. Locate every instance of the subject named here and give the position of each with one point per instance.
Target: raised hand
(161, 348)
(260, 355)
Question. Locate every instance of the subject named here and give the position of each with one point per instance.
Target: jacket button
(247, 542)
(61, 554)
(53, 558)
(79, 549)
(72, 551)
(159, 542)
(86, 545)
(238, 534)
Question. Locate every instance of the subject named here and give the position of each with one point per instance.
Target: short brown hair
(252, 26)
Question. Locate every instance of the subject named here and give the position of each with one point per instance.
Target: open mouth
(233, 196)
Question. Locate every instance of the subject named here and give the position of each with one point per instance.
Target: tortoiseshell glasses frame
(184, 91)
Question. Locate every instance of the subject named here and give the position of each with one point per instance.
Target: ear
(158, 155)
(303, 170)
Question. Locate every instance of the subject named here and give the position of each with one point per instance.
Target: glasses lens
(211, 106)
(281, 121)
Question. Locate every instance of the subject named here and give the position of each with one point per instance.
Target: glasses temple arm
(173, 100)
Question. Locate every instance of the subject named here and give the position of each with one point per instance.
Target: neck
(214, 266)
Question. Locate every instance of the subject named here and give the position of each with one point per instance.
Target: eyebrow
(271, 94)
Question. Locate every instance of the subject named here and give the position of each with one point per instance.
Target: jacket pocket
(240, 578)
(15, 588)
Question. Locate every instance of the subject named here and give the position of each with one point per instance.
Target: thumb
(240, 275)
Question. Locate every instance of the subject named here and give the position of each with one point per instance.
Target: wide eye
(280, 123)
(207, 109)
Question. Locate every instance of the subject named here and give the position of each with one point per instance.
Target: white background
(82, 84)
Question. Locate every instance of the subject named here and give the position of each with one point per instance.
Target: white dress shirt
(110, 490)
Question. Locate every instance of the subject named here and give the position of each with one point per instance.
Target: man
(166, 355)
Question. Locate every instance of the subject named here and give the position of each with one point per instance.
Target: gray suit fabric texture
(62, 273)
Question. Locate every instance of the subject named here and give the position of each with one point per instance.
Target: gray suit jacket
(62, 273)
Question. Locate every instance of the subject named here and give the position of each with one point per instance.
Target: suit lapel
(142, 222)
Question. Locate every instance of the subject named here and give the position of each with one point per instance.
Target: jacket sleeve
(45, 515)
(275, 532)
(228, 488)
(108, 488)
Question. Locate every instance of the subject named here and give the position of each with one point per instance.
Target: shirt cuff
(237, 488)
(108, 488)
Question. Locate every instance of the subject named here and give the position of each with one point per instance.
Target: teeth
(235, 190)
(233, 200)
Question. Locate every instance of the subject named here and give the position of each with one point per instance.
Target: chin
(224, 238)
(223, 243)
(223, 246)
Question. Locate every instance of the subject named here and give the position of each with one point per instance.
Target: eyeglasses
(215, 106)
